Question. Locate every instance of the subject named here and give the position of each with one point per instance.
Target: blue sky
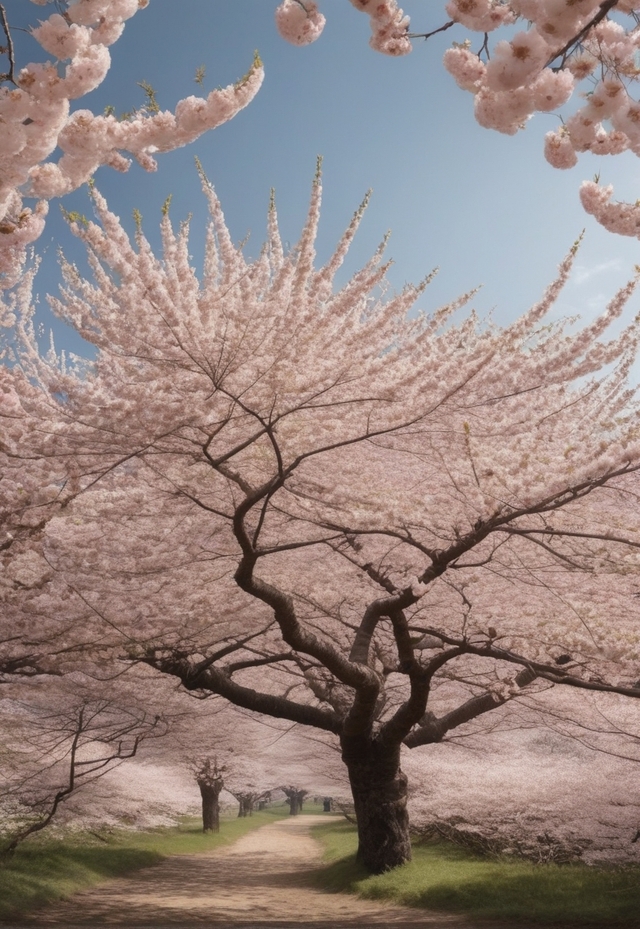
(485, 208)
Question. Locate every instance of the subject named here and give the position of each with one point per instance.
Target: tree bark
(379, 790)
(210, 807)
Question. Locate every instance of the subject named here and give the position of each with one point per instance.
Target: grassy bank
(447, 878)
(45, 869)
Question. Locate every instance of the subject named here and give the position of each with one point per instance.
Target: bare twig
(427, 35)
(9, 51)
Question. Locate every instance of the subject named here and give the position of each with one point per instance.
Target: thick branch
(412, 711)
(217, 682)
(434, 730)
(282, 605)
(545, 671)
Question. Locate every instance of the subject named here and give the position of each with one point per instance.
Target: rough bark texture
(380, 798)
(210, 806)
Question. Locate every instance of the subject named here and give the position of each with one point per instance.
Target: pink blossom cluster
(35, 119)
(623, 218)
(389, 26)
(536, 70)
(481, 15)
(299, 22)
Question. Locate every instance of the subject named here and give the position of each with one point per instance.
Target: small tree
(53, 753)
(247, 800)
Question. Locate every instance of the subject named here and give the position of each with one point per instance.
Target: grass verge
(445, 877)
(46, 869)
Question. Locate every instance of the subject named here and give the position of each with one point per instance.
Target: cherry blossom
(535, 69)
(36, 118)
(319, 504)
(389, 26)
(299, 22)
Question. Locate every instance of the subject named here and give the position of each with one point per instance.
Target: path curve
(262, 880)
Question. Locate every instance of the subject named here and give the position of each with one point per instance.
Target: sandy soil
(260, 881)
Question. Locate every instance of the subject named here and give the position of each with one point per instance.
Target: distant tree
(247, 800)
(209, 777)
(295, 798)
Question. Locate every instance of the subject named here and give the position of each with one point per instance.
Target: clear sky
(485, 208)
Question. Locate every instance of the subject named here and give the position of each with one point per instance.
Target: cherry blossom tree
(58, 744)
(546, 50)
(37, 120)
(533, 785)
(295, 798)
(210, 779)
(325, 509)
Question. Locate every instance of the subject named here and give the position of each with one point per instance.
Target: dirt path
(262, 880)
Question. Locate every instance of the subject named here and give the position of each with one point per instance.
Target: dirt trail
(262, 880)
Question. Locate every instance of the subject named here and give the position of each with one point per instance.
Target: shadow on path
(260, 882)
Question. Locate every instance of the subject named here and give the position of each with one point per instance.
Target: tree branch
(217, 682)
(10, 74)
(434, 730)
(566, 50)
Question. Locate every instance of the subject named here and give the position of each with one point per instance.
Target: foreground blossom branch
(36, 118)
(561, 46)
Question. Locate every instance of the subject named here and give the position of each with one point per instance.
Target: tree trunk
(295, 799)
(245, 804)
(380, 798)
(210, 808)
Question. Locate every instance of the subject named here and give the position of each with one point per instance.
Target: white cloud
(582, 274)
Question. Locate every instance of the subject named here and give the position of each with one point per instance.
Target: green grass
(45, 868)
(447, 878)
